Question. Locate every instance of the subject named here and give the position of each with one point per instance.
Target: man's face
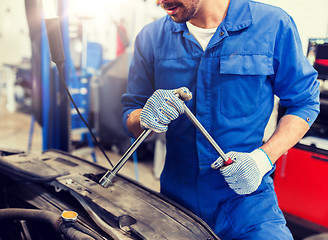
(179, 10)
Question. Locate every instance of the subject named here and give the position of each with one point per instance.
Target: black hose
(87, 231)
(31, 214)
(53, 219)
(78, 232)
(73, 234)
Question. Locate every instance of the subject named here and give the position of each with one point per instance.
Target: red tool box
(301, 183)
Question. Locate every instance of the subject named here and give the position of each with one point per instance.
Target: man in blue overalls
(233, 56)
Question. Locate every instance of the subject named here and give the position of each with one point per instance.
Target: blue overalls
(255, 53)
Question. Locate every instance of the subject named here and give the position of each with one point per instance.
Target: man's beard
(185, 12)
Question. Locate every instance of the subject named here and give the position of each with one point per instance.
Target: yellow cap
(69, 215)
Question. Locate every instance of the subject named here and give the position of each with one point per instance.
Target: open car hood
(58, 181)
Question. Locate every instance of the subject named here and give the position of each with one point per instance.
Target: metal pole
(106, 180)
(200, 127)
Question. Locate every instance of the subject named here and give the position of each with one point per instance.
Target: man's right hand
(161, 108)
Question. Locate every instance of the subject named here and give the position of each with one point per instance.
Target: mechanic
(233, 56)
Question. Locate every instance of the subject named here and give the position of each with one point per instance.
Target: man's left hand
(245, 174)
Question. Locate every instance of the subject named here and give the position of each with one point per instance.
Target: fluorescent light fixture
(49, 9)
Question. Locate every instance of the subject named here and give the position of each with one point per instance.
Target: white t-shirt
(202, 35)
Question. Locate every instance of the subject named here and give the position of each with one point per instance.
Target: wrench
(199, 126)
(107, 179)
(183, 96)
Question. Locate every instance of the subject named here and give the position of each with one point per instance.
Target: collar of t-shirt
(202, 35)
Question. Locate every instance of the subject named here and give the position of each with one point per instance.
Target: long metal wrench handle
(199, 126)
(106, 180)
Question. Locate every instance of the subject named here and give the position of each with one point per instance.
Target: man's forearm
(133, 122)
(290, 131)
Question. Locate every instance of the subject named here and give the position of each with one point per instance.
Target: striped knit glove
(163, 107)
(245, 174)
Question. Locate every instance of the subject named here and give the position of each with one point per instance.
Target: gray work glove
(163, 107)
(245, 174)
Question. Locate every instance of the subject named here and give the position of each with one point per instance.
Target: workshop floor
(14, 133)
